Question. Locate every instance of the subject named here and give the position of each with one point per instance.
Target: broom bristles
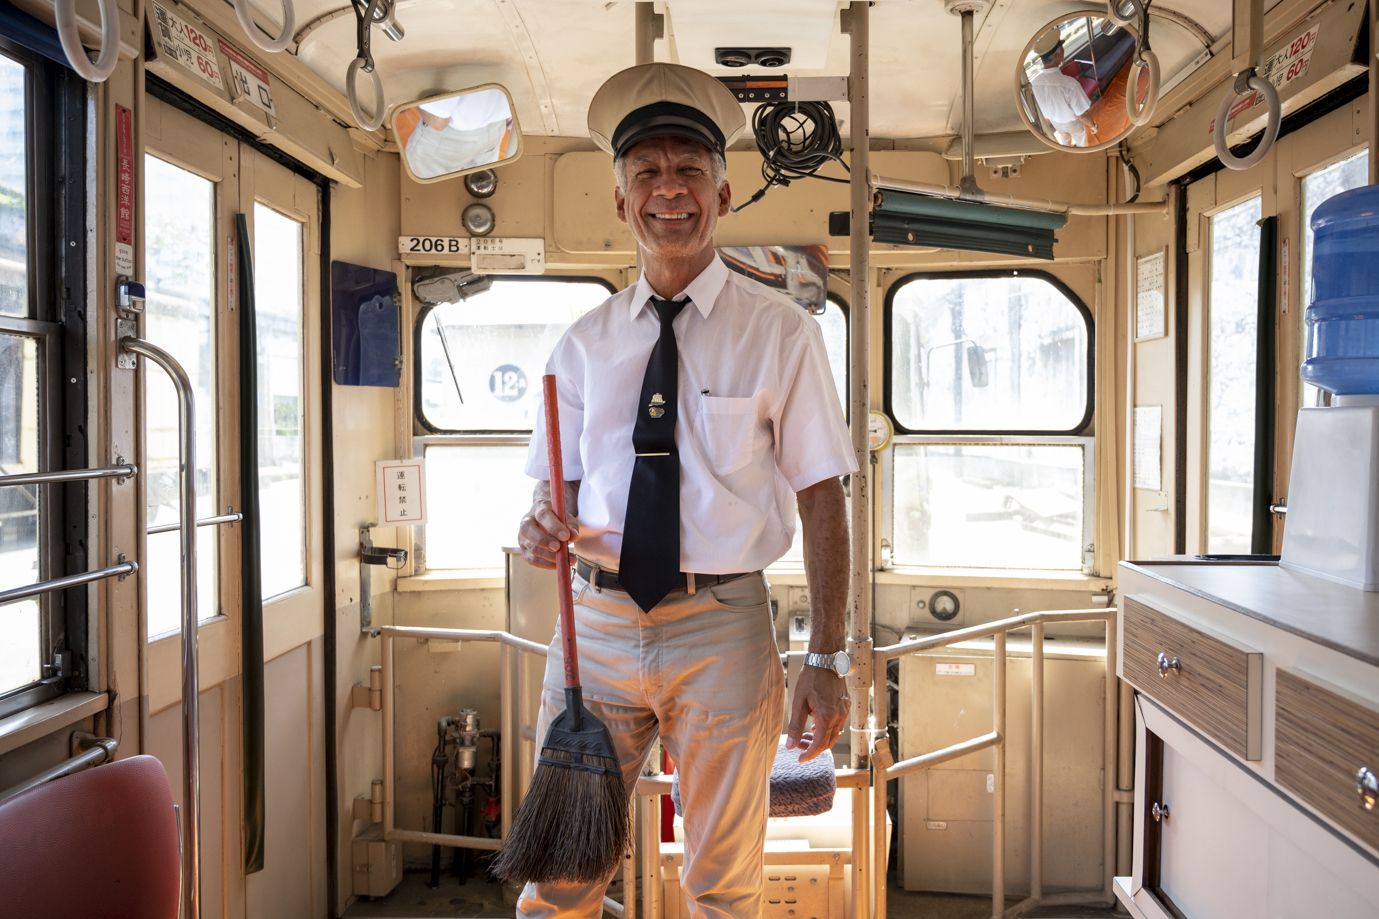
(572, 827)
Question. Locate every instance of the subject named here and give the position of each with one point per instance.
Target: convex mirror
(1072, 80)
(456, 133)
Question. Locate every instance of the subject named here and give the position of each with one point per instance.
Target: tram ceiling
(541, 51)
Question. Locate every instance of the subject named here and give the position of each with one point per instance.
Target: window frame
(429, 435)
(1208, 382)
(418, 414)
(57, 108)
(1086, 442)
(1079, 435)
(1080, 429)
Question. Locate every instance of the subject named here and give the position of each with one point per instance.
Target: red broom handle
(562, 559)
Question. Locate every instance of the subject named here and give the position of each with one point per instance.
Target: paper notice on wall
(1149, 447)
(180, 41)
(401, 492)
(249, 82)
(124, 191)
(1149, 297)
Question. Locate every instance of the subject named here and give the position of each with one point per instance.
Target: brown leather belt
(603, 579)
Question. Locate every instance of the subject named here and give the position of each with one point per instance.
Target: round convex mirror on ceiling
(1073, 79)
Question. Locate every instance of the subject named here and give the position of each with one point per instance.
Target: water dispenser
(1333, 492)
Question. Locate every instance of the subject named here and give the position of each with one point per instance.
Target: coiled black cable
(796, 140)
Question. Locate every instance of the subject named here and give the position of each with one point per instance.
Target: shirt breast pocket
(732, 435)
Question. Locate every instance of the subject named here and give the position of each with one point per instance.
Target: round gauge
(481, 184)
(944, 605)
(879, 431)
(478, 219)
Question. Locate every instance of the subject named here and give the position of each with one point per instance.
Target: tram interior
(278, 285)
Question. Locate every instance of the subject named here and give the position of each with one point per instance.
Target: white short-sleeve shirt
(1060, 97)
(759, 418)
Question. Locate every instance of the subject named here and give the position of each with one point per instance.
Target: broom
(573, 825)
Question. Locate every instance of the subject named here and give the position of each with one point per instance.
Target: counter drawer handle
(1169, 665)
(1367, 787)
(1159, 812)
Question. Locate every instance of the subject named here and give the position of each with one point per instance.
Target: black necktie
(650, 564)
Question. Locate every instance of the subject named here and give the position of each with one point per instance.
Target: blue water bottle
(1342, 351)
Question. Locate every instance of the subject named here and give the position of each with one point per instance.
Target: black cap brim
(667, 119)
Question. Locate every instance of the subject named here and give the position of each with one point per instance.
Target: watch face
(842, 664)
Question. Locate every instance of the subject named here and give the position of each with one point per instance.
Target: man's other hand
(823, 696)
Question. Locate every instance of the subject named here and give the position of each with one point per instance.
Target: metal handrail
(513, 671)
(97, 750)
(995, 740)
(191, 757)
(72, 580)
(123, 471)
(235, 517)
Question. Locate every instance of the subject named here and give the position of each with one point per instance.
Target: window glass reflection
(179, 261)
(278, 312)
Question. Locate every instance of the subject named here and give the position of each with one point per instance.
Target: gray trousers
(704, 672)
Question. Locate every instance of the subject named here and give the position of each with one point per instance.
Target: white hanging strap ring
(367, 122)
(97, 71)
(1125, 12)
(1147, 61)
(258, 36)
(1248, 80)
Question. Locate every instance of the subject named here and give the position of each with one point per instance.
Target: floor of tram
(479, 897)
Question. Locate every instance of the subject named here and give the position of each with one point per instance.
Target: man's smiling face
(671, 203)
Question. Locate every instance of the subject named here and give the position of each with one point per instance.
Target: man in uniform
(1061, 97)
(696, 412)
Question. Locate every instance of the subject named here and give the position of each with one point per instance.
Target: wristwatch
(837, 661)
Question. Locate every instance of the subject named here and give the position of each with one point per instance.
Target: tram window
(279, 317)
(1318, 186)
(20, 521)
(14, 185)
(1232, 330)
(986, 353)
(179, 259)
(481, 359)
(19, 380)
(479, 370)
(42, 151)
(1003, 361)
(990, 505)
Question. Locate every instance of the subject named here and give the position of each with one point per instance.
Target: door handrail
(122, 471)
(122, 570)
(232, 517)
(886, 769)
(191, 758)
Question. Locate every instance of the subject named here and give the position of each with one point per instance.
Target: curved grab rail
(367, 122)
(99, 70)
(258, 36)
(1248, 80)
(1139, 114)
(191, 730)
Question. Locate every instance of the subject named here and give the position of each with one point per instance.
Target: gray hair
(718, 170)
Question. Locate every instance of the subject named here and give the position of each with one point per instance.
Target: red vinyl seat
(100, 843)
